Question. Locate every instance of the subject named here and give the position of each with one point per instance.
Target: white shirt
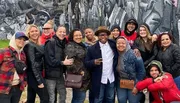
(107, 64)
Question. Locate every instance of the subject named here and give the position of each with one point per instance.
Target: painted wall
(160, 15)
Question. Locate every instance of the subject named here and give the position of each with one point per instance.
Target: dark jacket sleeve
(50, 54)
(36, 67)
(140, 70)
(154, 51)
(176, 58)
(89, 61)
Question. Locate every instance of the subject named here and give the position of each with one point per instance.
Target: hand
(82, 73)
(41, 86)
(134, 91)
(158, 79)
(98, 61)
(154, 37)
(68, 61)
(137, 52)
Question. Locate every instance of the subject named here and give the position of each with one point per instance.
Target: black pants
(13, 96)
(41, 92)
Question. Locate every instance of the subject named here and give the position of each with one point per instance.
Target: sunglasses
(47, 28)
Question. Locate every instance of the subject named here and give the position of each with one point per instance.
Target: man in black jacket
(54, 64)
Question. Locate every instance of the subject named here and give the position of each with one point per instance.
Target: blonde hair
(147, 32)
(28, 30)
(51, 22)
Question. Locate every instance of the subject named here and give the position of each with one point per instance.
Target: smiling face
(154, 72)
(131, 27)
(103, 37)
(61, 33)
(115, 33)
(165, 41)
(20, 42)
(34, 34)
(121, 45)
(89, 34)
(142, 32)
(77, 37)
(47, 29)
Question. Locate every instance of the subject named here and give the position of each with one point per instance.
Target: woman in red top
(160, 84)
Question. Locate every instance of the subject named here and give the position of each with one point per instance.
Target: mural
(160, 15)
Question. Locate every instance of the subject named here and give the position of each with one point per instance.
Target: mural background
(160, 15)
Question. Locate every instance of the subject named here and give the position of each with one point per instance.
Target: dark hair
(71, 35)
(149, 69)
(160, 36)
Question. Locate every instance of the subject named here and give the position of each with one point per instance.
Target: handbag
(18, 64)
(126, 84)
(73, 81)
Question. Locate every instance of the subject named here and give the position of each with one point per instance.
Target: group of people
(111, 62)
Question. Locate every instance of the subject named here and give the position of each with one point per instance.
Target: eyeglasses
(46, 28)
(103, 34)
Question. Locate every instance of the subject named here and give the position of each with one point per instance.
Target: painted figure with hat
(12, 82)
(101, 60)
(161, 84)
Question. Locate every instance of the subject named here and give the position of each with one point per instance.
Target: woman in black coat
(34, 53)
(169, 56)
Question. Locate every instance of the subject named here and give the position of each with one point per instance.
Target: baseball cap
(20, 34)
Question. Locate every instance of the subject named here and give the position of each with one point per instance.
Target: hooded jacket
(7, 68)
(130, 36)
(166, 88)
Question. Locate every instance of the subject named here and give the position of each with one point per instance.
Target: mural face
(160, 15)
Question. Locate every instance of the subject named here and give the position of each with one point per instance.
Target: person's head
(154, 69)
(89, 33)
(122, 44)
(164, 40)
(48, 28)
(144, 31)
(20, 39)
(21, 18)
(61, 32)
(131, 25)
(33, 33)
(115, 31)
(102, 33)
(75, 36)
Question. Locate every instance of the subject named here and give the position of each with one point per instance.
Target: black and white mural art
(160, 15)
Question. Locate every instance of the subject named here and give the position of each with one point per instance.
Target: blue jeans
(177, 81)
(125, 95)
(106, 92)
(78, 96)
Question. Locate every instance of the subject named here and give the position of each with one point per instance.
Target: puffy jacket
(54, 54)
(78, 53)
(170, 59)
(34, 54)
(166, 87)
